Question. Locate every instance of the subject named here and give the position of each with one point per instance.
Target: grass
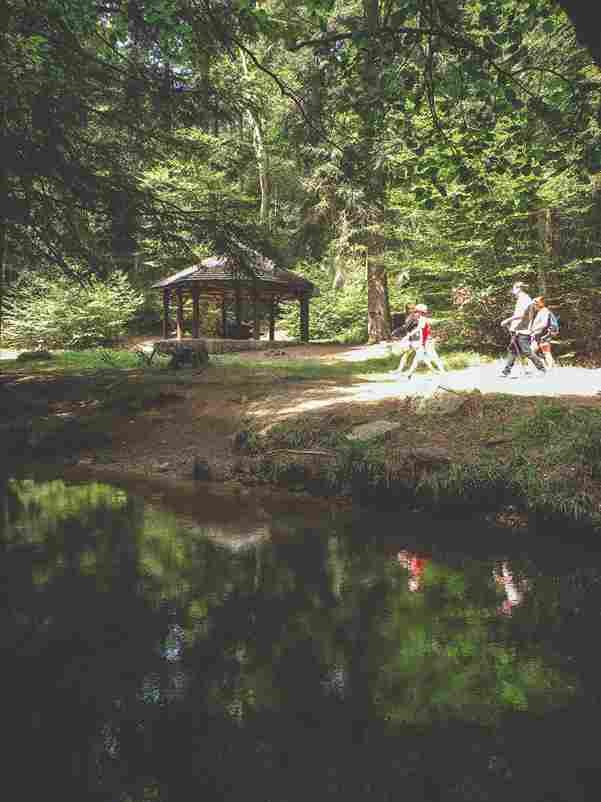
(303, 369)
(307, 369)
(566, 436)
(89, 360)
(313, 370)
(544, 456)
(541, 458)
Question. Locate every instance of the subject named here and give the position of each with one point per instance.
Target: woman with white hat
(423, 345)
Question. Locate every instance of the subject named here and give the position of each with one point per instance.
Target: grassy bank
(522, 460)
(90, 360)
(517, 458)
(312, 370)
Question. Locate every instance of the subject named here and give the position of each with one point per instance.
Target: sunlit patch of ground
(377, 387)
(207, 408)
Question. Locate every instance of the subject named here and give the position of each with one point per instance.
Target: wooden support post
(223, 317)
(195, 313)
(256, 325)
(272, 311)
(304, 318)
(165, 314)
(180, 315)
(238, 307)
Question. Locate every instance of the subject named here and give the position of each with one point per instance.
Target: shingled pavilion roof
(220, 272)
(227, 280)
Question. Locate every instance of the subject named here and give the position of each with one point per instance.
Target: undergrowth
(541, 475)
(567, 435)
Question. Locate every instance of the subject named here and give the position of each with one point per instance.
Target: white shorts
(400, 346)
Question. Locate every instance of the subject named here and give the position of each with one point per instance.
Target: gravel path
(4, 354)
(558, 382)
(564, 381)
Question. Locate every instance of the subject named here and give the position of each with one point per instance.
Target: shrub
(335, 313)
(53, 311)
(479, 315)
(479, 312)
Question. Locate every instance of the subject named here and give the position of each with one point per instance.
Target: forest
(388, 150)
(283, 569)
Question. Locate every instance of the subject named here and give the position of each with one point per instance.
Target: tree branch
(322, 41)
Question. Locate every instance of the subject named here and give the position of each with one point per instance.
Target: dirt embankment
(163, 425)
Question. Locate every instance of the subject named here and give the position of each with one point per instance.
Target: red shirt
(425, 333)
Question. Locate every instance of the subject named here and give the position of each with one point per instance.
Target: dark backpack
(410, 322)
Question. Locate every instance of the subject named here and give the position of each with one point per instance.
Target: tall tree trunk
(263, 167)
(261, 155)
(378, 309)
(547, 222)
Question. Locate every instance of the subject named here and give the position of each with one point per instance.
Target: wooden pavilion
(224, 280)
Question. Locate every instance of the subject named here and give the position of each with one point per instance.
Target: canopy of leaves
(148, 133)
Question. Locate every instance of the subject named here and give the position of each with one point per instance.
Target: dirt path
(562, 381)
(198, 413)
(206, 413)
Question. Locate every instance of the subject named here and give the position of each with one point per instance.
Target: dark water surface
(222, 649)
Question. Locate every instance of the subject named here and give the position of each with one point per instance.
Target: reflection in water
(514, 589)
(415, 565)
(146, 658)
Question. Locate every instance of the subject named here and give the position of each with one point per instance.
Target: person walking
(520, 329)
(431, 352)
(418, 341)
(544, 328)
(401, 334)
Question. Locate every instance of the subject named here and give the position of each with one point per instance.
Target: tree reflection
(145, 661)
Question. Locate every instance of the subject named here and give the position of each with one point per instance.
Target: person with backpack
(544, 328)
(401, 336)
(520, 330)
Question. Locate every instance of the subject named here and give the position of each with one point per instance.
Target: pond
(225, 649)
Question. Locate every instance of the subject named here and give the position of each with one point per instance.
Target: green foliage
(469, 486)
(301, 369)
(84, 361)
(570, 435)
(479, 314)
(58, 312)
(339, 312)
(581, 440)
(159, 133)
(335, 314)
(549, 421)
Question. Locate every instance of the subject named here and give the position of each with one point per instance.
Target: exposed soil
(206, 413)
(196, 415)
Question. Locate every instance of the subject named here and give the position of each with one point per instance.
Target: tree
(95, 96)
(585, 17)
